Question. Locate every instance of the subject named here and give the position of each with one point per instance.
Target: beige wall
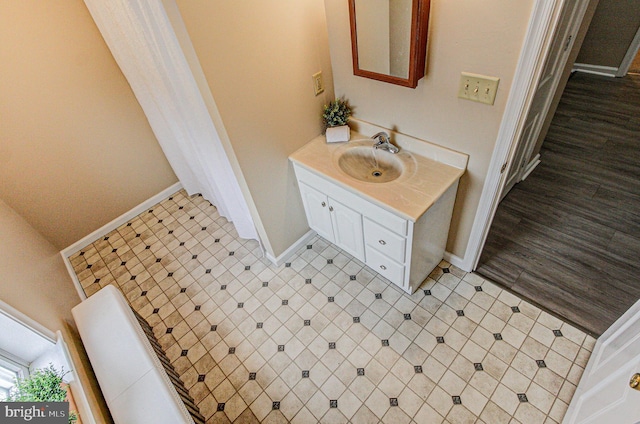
(76, 150)
(34, 280)
(465, 35)
(258, 57)
(612, 29)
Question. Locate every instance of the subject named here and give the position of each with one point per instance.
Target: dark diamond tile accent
(280, 348)
(252, 376)
(352, 278)
(147, 247)
(89, 266)
(307, 281)
(393, 401)
(356, 320)
(407, 317)
(170, 231)
(557, 333)
(330, 299)
(417, 369)
(456, 400)
(232, 253)
(158, 260)
(159, 221)
(305, 373)
(275, 405)
(360, 371)
(192, 217)
(427, 292)
(223, 287)
(460, 312)
(497, 336)
(81, 253)
(220, 405)
(440, 339)
(197, 308)
(208, 271)
(216, 241)
(385, 342)
(214, 327)
(194, 257)
(307, 322)
(138, 235)
(156, 310)
(114, 250)
(515, 309)
(378, 295)
(150, 211)
(309, 246)
(181, 243)
(201, 377)
(181, 207)
(541, 363)
(332, 345)
(329, 261)
(259, 325)
(133, 277)
(184, 352)
(247, 268)
(232, 350)
(182, 290)
(144, 293)
(170, 274)
(522, 397)
(333, 403)
(204, 228)
(240, 304)
(478, 366)
(285, 302)
(96, 281)
(107, 238)
(287, 265)
(265, 284)
(169, 330)
(478, 288)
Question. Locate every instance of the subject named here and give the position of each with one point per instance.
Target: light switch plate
(318, 84)
(478, 88)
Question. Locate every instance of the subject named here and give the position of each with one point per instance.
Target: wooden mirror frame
(417, 51)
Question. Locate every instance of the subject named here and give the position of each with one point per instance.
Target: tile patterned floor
(324, 339)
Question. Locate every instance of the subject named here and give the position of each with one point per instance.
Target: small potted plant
(43, 385)
(335, 116)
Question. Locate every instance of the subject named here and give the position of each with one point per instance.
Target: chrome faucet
(384, 143)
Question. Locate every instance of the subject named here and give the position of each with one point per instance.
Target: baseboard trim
(456, 261)
(107, 228)
(531, 166)
(287, 254)
(607, 71)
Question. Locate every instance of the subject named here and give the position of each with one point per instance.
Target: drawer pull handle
(324, 204)
(383, 267)
(382, 242)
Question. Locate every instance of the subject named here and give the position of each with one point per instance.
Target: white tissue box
(338, 134)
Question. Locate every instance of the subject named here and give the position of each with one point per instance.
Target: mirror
(389, 39)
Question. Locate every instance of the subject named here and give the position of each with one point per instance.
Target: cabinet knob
(383, 267)
(330, 208)
(382, 242)
(324, 204)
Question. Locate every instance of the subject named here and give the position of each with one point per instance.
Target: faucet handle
(381, 136)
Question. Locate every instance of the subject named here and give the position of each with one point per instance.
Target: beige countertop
(415, 191)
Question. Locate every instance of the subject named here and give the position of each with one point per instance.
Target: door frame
(537, 42)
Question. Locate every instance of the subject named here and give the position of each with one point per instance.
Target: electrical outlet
(318, 85)
(478, 88)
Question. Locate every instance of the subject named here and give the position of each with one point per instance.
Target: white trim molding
(537, 41)
(531, 166)
(607, 71)
(107, 228)
(291, 250)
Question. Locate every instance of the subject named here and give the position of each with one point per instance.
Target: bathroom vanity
(390, 211)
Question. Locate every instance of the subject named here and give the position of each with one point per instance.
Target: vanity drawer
(386, 267)
(384, 241)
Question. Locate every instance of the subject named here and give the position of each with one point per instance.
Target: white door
(604, 394)
(564, 35)
(347, 229)
(317, 209)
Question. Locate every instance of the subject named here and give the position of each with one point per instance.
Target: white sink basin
(361, 161)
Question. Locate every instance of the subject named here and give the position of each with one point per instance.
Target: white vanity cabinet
(402, 251)
(333, 220)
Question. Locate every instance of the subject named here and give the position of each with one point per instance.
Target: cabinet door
(316, 206)
(347, 229)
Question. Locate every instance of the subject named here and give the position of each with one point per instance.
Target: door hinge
(568, 43)
(504, 166)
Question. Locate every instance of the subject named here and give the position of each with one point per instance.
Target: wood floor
(568, 237)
